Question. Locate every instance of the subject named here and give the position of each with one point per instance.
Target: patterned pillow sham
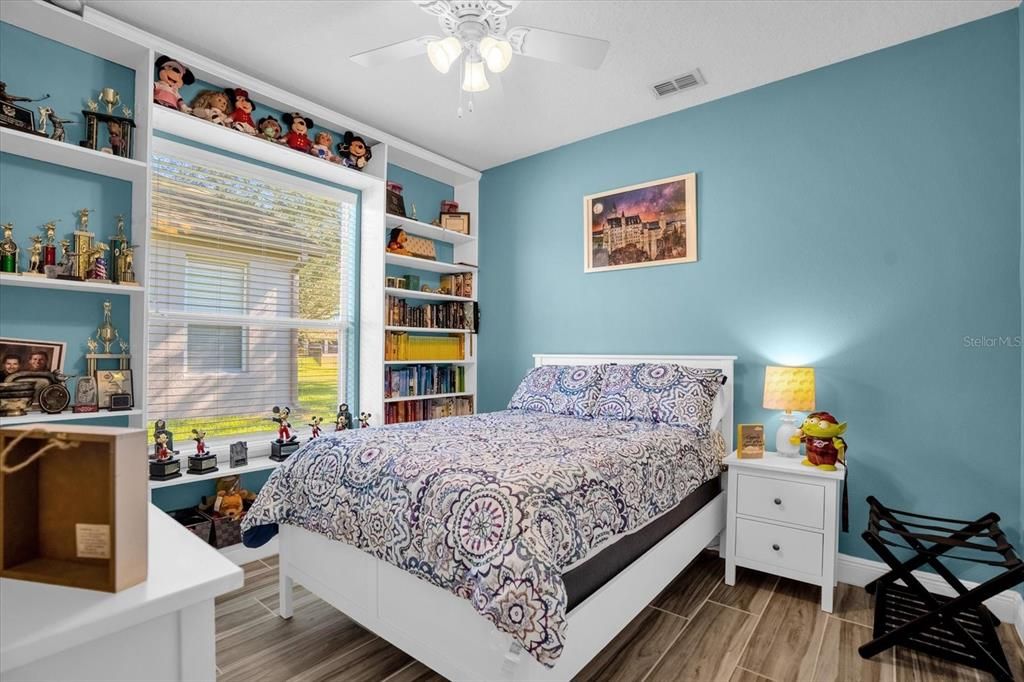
(671, 394)
(560, 389)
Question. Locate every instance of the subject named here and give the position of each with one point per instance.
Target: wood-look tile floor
(698, 628)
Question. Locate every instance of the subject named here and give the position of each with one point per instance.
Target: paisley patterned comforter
(491, 507)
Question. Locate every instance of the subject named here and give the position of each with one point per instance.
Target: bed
(568, 527)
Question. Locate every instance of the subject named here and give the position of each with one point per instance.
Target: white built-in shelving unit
(99, 34)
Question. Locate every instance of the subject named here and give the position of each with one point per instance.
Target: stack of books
(447, 315)
(422, 410)
(403, 346)
(414, 380)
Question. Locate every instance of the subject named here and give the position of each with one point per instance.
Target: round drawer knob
(778, 500)
(775, 547)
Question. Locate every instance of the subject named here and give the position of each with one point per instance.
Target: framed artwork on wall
(653, 223)
(21, 355)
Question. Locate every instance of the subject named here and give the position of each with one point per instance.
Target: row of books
(458, 285)
(447, 315)
(400, 382)
(405, 346)
(422, 410)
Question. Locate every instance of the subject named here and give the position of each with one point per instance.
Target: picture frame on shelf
(395, 204)
(456, 222)
(750, 441)
(114, 389)
(19, 355)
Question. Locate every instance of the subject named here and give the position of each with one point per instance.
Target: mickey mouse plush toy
(298, 126)
(353, 151)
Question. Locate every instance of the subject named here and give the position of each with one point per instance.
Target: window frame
(195, 256)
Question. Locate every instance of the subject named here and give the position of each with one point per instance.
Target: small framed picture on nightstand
(750, 440)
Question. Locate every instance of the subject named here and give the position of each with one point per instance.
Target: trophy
(122, 256)
(109, 97)
(50, 248)
(120, 129)
(287, 442)
(8, 250)
(35, 256)
(204, 461)
(15, 116)
(83, 247)
(163, 465)
(85, 395)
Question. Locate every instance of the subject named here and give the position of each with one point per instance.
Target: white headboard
(722, 362)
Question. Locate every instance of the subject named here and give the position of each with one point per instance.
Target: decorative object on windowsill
(8, 250)
(171, 75)
(298, 127)
(238, 454)
(343, 420)
(750, 441)
(85, 395)
(821, 434)
(790, 389)
(114, 389)
(14, 116)
(395, 201)
(50, 248)
(204, 461)
(449, 206)
(213, 106)
(48, 115)
(270, 129)
(455, 221)
(354, 152)
(287, 442)
(120, 136)
(322, 143)
(396, 242)
(163, 465)
(364, 419)
(315, 425)
(241, 117)
(100, 541)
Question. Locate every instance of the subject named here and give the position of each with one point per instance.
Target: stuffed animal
(364, 419)
(270, 129)
(241, 117)
(322, 143)
(229, 504)
(354, 151)
(298, 126)
(820, 433)
(396, 242)
(170, 76)
(213, 106)
(230, 499)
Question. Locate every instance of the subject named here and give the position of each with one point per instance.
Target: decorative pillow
(560, 389)
(671, 394)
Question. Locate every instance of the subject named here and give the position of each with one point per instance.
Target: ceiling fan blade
(554, 46)
(395, 52)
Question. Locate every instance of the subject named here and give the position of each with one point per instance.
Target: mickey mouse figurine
(241, 117)
(284, 433)
(200, 438)
(317, 421)
(364, 419)
(354, 151)
(298, 126)
(171, 75)
(344, 418)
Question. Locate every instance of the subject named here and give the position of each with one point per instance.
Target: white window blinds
(251, 291)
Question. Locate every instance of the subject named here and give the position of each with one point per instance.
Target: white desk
(162, 629)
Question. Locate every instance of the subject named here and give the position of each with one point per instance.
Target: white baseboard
(240, 554)
(1007, 606)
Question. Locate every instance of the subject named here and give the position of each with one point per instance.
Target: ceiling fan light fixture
(496, 53)
(474, 78)
(443, 53)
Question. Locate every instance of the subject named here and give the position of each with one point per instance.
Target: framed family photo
(24, 355)
(653, 223)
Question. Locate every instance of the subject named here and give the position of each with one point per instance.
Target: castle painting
(654, 223)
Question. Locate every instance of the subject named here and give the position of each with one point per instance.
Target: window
(251, 294)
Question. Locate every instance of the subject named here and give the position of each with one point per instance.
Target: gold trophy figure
(8, 250)
(35, 256)
(83, 245)
(109, 97)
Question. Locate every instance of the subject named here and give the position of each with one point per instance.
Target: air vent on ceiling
(678, 84)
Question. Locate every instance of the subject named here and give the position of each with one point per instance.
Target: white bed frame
(444, 632)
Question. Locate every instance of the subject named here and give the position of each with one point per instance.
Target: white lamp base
(787, 429)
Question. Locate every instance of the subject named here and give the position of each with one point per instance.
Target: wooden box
(79, 516)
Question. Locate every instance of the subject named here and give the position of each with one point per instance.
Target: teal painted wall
(34, 66)
(862, 218)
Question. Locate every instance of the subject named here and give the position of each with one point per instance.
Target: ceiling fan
(478, 31)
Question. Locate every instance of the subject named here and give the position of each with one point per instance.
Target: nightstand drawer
(789, 548)
(774, 499)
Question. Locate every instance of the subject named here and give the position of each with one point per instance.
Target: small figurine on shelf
(821, 435)
(322, 144)
(204, 461)
(200, 438)
(364, 419)
(163, 465)
(35, 256)
(213, 106)
(343, 420)
(171, 75)
(270, 129)
(241, 117)
(353, 151)
(47, 114)
(44, 120)
(396, 242)
(287, 442)
(8, 250)
(15, 116)
(315, 424)
(65, 254)
(50, 248)
(298, 126)
(127, 265)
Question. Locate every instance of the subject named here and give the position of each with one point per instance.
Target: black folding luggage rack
(959, 629)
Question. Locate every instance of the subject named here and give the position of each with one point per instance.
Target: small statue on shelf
(241, 117)
(8, 98)
(364, 419)
(171, 75)
(200, 438)
(83, 219)
(35, 256)
(50, 248)
(354, 151)
(343, 420)
(115, 137)
(162, 451)
(298, 126)
(98, 263)
(65, 253)
(315, 424)
(47, 114)
(8, 250)
(204, 461)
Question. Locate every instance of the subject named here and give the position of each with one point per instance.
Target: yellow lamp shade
(789, 388)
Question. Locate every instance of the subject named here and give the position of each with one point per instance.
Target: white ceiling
(304, 46)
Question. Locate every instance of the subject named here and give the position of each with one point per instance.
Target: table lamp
(789, 389)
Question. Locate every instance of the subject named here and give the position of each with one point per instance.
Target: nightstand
(782, 518)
